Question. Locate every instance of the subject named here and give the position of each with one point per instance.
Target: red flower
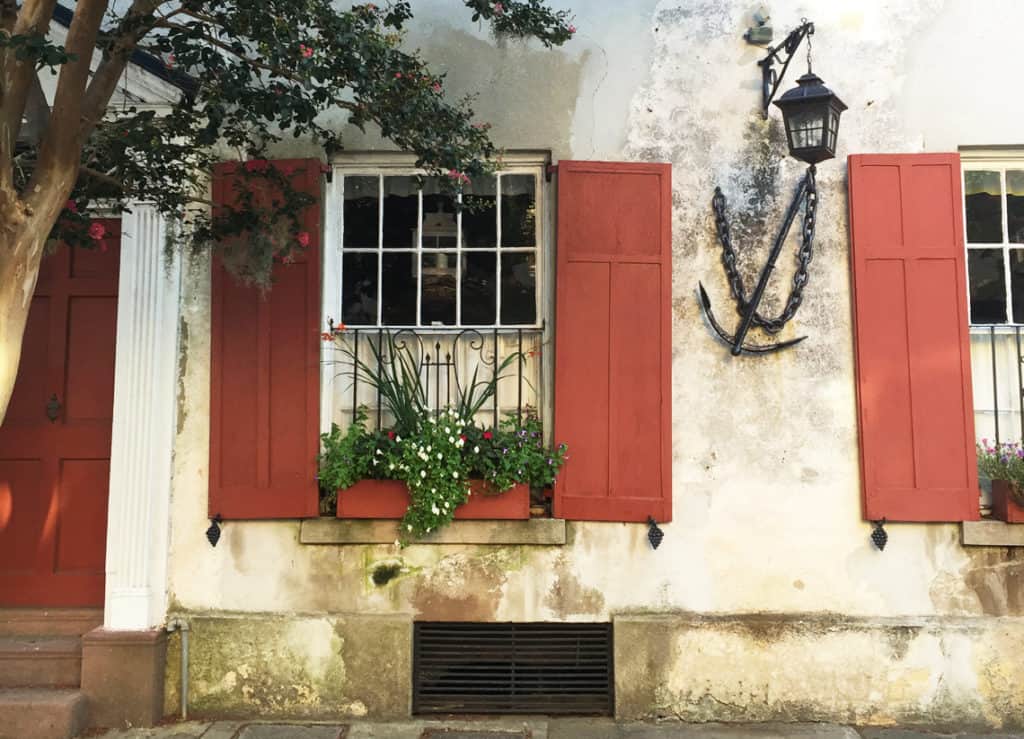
(97, 231)
(339, 328)
(306, 51)
(488, 435)
(436, 87)
(391, 435)
(326, 336)
(462, 436)
(303, 239)
(71, 205)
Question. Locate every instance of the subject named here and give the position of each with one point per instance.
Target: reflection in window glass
(401, 209)
(440, 229)
(478, 288)
(518, 210)
(479, 215)
(359, 289)
(518, 281)
(1017, 284)
(360, 213)
(398, 289)
(1015, 206)
(987, 288)
(438, 307)
(984, 207)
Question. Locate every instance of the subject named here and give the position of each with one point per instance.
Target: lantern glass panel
(806, 128)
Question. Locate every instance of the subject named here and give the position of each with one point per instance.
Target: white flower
(374, 461)
(447, 430)
(435, 510)
(379, 452)
(476, 450)
(423, 473)
(408, 527)
(455, 474)
(451, 439)
(440, 456)
(397, 543)
(398, 439)
(428, 448)
(391, 466)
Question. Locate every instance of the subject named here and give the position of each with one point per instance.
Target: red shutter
(911, 338)
(265, 377)
(613, 402)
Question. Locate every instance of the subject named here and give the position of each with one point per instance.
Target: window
(462, 288)
(993, 186)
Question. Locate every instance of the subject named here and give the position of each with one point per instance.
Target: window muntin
(410, 257)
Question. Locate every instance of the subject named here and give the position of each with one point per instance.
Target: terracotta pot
(1004, 506)
(390, 498)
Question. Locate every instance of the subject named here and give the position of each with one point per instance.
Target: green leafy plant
(1003, 462)
(437, 461)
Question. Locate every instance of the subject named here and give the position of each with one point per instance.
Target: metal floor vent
(540, 668)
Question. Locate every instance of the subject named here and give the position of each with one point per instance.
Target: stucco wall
(766, 492)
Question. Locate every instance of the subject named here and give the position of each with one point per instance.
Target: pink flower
(499, 9)
(488, 435)
(303, 239)
(256, 165)
(398, 75)
(306, 51)
(572, 30)
(170, 61)
(71, 205)
(436, 87)
(97, 231)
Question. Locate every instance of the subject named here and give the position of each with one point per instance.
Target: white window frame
(399, 163)
(991, 160)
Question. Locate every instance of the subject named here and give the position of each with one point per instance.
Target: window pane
(984, 207)
(478, 293)
(518, 286)
(401, 209)
(438, 289)
(518, 210)
(1015, 206)
(988, 291)
(360, 214)
(359, 289)
(479, 214)
(806, 129)
(398, 289)
(1017, 283)
(439, 220)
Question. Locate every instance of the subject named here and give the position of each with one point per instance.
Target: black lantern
(811, 113)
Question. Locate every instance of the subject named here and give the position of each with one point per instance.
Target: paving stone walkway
(540, 728)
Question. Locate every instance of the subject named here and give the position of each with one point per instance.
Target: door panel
(54, 475)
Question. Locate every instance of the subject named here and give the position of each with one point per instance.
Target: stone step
(41, 713)
(49, 621)
(40, 661)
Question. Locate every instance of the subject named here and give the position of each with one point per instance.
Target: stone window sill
(535, 531)
(992, 534)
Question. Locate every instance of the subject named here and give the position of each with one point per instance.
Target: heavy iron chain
(803, 256)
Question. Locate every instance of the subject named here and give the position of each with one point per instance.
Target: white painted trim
(142, 438)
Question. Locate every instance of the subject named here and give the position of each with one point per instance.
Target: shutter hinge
(550, 170)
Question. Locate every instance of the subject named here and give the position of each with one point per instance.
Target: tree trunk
(21, 250)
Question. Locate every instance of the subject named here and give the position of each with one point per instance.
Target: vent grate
(540, 668)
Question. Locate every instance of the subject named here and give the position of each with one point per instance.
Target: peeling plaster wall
(766, 491)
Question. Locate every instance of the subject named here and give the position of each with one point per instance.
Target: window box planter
(1004, 506)
(390, 498)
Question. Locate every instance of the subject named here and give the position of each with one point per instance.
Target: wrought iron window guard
(436, 354)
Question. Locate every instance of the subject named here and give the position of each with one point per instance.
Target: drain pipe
(178, 624)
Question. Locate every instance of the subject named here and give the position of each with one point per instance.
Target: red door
(54, 474)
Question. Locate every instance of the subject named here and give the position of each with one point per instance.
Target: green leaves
(35, 47)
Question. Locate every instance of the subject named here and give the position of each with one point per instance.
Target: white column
(143, 427)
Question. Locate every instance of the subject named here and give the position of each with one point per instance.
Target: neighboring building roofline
(152, 64)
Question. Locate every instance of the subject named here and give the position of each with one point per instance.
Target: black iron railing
(998, 370)
(447, 364)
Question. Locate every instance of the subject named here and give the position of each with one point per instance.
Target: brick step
(40, 661)
(41, 713)
(49, 621)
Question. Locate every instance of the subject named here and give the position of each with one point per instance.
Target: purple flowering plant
(1003, 461)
